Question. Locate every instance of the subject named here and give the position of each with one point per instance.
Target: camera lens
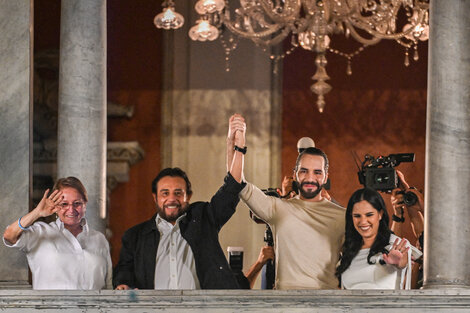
(409, 198)
(382, 178)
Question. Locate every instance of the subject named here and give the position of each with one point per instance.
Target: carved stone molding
(120, 157)
(130, 152)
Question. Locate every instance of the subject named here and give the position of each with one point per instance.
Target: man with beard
(308, 229)
(178, 248)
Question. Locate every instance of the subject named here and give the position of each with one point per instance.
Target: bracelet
(19, 224)
(242, 150)
(398, 219)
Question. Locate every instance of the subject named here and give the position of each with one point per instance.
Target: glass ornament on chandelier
(169, 18)
(310, 24)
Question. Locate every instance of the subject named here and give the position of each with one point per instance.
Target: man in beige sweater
(308, 229)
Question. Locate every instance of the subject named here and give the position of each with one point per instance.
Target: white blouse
(59, 260)
(362, 275)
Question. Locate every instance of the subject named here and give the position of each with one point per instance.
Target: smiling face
(73, 207)
(366, 221)
(311, 176)
(171, 198)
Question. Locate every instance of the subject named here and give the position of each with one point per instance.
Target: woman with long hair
(66, 253)
(372, 256)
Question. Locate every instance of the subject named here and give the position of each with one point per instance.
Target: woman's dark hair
(353, 240)
(173, 172)
(72, 182)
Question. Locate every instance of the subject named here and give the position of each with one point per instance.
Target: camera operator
(403, 201)
(266, 253)
(410, 200)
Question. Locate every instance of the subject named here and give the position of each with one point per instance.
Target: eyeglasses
(75, 205)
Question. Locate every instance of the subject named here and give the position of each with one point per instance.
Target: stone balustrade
(383, 301)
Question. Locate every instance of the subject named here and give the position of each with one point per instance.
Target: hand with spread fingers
(49, 204)
(398, 255)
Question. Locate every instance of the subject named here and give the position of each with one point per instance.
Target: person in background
(405, 205)
(66, 253)
(413, 208)
(266, 253)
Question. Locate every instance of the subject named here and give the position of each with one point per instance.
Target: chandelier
(309, 24)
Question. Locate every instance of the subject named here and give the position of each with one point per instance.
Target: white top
(59, 260)
(174, 267)
(362, 275)
(307, 238)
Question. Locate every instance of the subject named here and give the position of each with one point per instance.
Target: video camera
(380, 174)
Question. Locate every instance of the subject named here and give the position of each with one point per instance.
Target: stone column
(447, 218)
(82, 101)
(16, 38)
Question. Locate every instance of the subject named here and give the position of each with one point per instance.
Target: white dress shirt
(174, 267)
(59, 260)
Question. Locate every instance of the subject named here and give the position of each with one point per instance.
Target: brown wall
(134, 78)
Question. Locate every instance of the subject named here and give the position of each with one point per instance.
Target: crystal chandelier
(309, 24)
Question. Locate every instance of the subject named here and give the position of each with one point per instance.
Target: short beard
(310, 194)
(172, 218)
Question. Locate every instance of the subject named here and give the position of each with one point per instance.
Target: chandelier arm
(326, 10)
(284, 17)
(355, 35)
(252, 34)
(275, 40)
(361, 25)
(407, 45)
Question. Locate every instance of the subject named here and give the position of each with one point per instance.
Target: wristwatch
(242, 150)
(398, 219)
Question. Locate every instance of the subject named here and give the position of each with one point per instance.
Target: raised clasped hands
(49, 204)
(398, 255)
(237, 130)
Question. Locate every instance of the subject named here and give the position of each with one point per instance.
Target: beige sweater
(307, 236)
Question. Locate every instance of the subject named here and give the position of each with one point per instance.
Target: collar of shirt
(83, 223)
(164, 226)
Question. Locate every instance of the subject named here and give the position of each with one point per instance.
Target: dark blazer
(200, 228)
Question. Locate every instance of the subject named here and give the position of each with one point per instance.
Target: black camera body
(409, 198)
(379, 173)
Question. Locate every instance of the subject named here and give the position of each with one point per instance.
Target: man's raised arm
(236, 148)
